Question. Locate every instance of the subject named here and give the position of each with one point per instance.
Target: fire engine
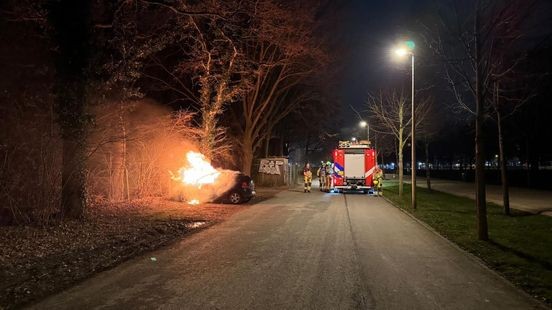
(354, 166)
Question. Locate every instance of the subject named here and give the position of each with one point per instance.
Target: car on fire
(241, 191)
(201, 182)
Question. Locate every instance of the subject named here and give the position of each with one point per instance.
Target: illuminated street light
(401, 52)
(407, 48)
(364, 124)
(353, 139)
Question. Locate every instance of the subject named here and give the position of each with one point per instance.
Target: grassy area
(520, 245)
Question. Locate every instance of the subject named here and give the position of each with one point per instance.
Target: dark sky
(369, 29)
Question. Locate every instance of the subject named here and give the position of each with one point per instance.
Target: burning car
(242, 190)
(201, 182)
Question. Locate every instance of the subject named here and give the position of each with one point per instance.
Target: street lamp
(407, 48)
(364, 124)
(353, 139)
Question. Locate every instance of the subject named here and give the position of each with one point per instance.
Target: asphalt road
(302, 251)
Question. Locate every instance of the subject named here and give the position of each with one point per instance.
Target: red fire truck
(354, 166)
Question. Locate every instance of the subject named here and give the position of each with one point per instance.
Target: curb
(537, 303)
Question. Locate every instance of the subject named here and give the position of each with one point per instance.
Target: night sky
(369, 29)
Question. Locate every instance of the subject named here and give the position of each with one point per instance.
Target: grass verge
(520, 245)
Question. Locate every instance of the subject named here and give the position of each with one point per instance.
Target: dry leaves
(38, 261)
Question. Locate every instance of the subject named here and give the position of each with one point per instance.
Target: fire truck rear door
(354, 166)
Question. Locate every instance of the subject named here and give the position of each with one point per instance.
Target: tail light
(245, 185)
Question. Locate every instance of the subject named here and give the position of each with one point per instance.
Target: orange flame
(197, 173)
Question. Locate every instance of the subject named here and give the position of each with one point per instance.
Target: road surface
(302, 251)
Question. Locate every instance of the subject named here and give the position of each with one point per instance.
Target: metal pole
(413, 143)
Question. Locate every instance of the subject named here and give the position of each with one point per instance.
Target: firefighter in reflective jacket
(321, 173)
(329, 172)
(307, 175)
(378, 181)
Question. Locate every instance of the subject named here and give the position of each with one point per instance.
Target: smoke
(137, 148)
(132, 147)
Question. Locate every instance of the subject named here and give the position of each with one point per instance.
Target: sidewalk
(529, 200)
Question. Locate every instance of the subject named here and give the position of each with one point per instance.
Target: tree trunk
(207, 117)
(480, 197)
(401, 173)
(481, 202)
(267, 144)
(375, 147)
(70, 23)
(397, 158)
(247, 154)
(428, 171)
(72, 194)
(400, 147)
(504, 177)
(111, 193)
(400, 162)
(124, 155)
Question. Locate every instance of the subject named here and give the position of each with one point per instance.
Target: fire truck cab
(354, 166)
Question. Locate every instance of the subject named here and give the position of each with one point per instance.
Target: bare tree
(507, 99)
(309, 129)
(292, 100)
(467, 39)
(284, 53)
(390, 114)
(509, 88)
(428, 132)
(256, 53)
(190, 52)
(74, 28)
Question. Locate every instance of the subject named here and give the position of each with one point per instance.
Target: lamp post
(408, 49)
(364, 124)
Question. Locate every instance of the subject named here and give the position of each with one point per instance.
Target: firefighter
(378, 181)
(307, 175)
(329, 172)
(321, 173)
